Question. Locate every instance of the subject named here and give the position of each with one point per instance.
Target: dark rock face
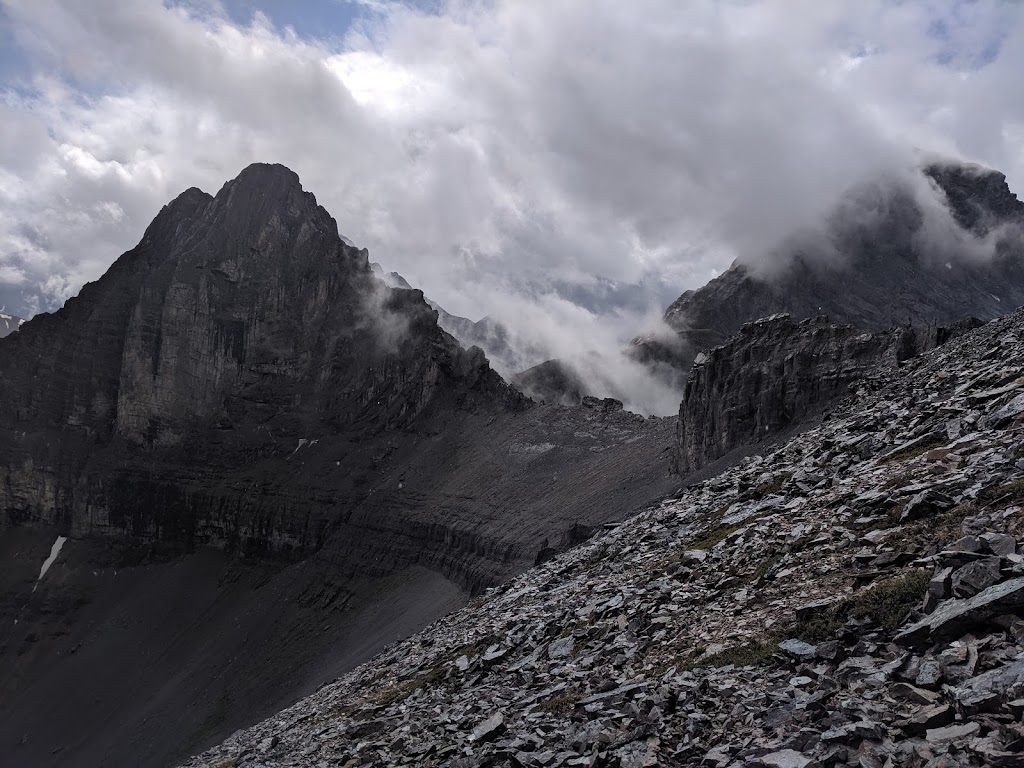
(9, 324)
(777, 373)
(244, 315)
(878, 267)
(242, 383)
(488, 334)
(553, 381)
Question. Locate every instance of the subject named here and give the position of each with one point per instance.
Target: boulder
(954, 617)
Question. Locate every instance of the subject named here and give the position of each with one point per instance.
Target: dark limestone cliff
(487, 333)
(877, 265)
(776, 374)
(269, 465)
(240, 379)
(241, 320)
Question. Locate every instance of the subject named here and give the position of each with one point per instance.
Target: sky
(567, 166)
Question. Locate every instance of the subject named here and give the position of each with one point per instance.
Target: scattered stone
(798, 649)
(784, 758)
(952, 733)
(966, 544)
(1007, 413)
(999, 543)
(956, 616)
(489, 729)
(928, 719)
(941, 584)
(654, 642)
(561, 648)
(982, 693)
(929, 674)
(925, 504)
(974, 577)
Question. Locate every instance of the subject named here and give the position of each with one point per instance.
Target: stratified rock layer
(776, 374)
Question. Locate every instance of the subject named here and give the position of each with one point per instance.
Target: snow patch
(303, 442)
(531, 449)
(54, 551)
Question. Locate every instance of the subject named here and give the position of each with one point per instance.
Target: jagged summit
(269, 190)
(978, 196)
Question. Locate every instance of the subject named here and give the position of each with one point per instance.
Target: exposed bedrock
(241, 379)
(776, 373)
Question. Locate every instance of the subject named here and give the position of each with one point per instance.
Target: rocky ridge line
(876, 268)
(776, 374)
(853, 598)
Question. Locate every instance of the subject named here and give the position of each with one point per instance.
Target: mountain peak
(267, 176)
(881, 269)
(264, 181)
(976, 195)
(268, 196)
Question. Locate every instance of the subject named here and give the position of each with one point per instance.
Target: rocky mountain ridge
(878, 265)
(240, 427)
(853, 598)
(775, 375)
(487, 333)
(240, 402)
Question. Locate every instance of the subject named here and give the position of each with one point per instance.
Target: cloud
(586, 156)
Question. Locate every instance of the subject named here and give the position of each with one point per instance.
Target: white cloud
(498, 148)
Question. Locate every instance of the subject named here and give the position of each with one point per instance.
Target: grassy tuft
(922, 446)
(558, 706)
(1007, 493)
(774, 485)
(887, 602)
(747, 655)
(715, 534)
